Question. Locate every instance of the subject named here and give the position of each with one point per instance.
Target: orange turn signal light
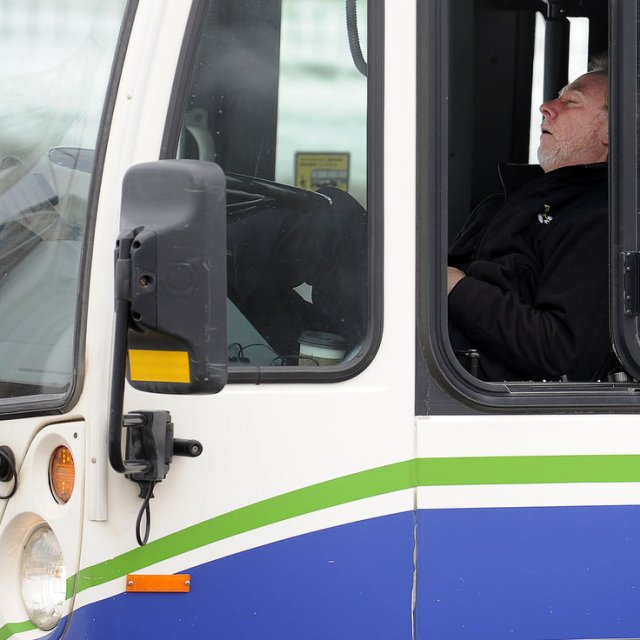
(62, 474)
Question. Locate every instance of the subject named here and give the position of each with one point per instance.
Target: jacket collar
(514, 176)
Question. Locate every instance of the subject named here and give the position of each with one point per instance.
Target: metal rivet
(187, 583)
(130, 583)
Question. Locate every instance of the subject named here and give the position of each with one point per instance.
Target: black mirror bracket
(150, 445)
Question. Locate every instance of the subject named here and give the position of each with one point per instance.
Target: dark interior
(490, 75)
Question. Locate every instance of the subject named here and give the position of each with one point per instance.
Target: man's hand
(453, 277)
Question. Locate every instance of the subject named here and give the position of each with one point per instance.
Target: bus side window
(276, 100)
(484, 95)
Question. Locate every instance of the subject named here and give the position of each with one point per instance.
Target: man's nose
(548, 108)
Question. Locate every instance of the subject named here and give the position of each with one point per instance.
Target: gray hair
(599, 65)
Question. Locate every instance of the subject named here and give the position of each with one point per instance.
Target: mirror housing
(171, 274)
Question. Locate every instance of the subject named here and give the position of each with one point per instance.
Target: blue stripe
(483, 574)
(529, 573)
(351, 582)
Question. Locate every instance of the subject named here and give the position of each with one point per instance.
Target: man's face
(575, 125)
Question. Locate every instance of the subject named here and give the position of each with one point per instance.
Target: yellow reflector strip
(180, 583)
(159, 366)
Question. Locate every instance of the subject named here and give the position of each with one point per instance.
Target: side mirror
(171, 275)
(170, 309)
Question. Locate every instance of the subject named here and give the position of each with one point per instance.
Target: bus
(229, 403)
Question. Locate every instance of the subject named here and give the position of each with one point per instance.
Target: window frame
(624, 167)
(375, 181)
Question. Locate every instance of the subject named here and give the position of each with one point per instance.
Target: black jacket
(535, 299)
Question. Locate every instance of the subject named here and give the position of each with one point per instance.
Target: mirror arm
(116, 403)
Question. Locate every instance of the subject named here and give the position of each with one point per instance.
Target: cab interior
(506, 57)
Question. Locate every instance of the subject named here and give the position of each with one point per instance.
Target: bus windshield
(57, 57)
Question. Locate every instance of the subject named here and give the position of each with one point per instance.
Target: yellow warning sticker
(314, 170)
(159, 366)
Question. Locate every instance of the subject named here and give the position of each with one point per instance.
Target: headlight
(43, 578)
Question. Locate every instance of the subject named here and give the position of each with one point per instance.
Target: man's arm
(563, 328)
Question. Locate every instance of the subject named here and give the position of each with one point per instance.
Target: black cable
(240, 355)
(12, 472)
(253, 345)
(354, 38)
(146, 511)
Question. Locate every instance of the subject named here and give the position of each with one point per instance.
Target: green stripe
(423, 472)
(527, 470)
(357, 486)
(15, 627)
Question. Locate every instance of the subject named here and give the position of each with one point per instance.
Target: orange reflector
(62, 474)
(180, 583)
